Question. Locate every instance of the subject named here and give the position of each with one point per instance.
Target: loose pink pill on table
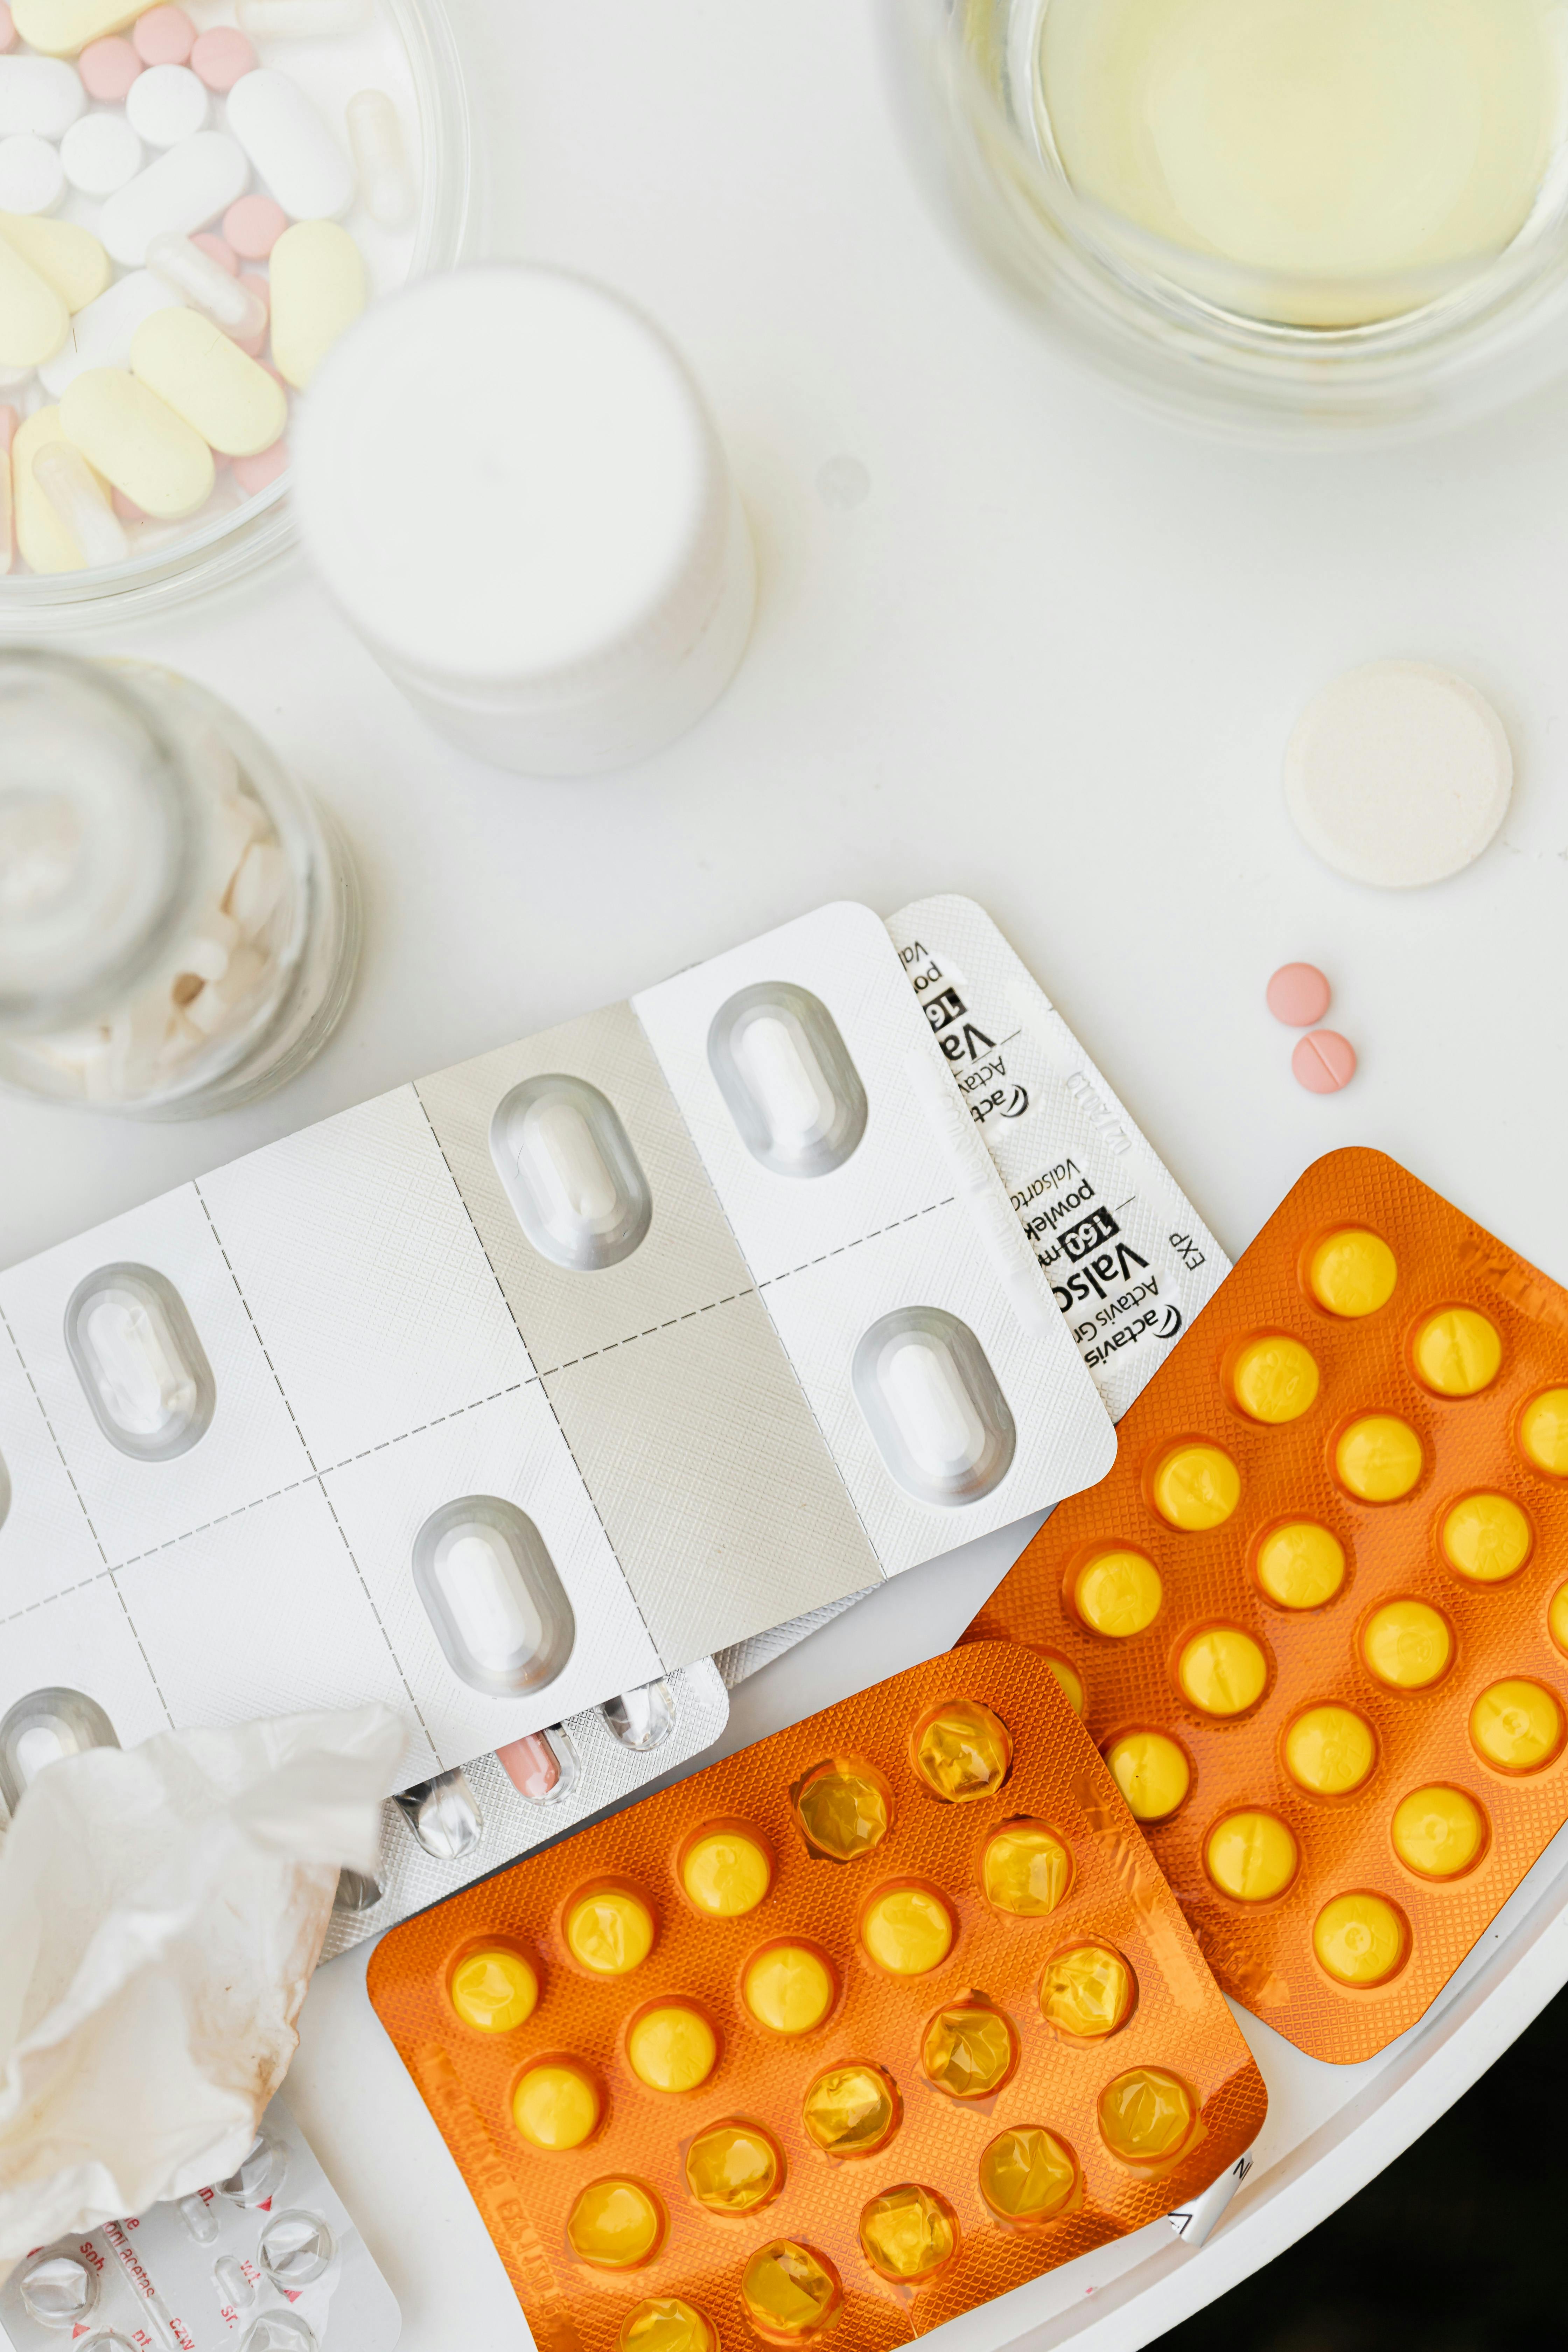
(216, 251)
(7, 29)
(163, 36)
(1324, 1062)
(107, 69)
(221, 57)
(1299, 996)
(253, 225)
(253, 474)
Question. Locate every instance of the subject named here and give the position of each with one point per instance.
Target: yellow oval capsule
(732, 2168)
(1517, 1724)
(1543, 1431)
(1223, 1671)
(45, 543)
(1087, 1992)
(1196, 1487)
(1152, 1772)
(725, 1873)
(789, 2290)
(1361, 1939)
(909, 2232)
(494, 1990)
(1027, 2174)
(206, 378)
(969, 2051)
(851, 2110)
(1486, 1538)
(963, 1751)
(34, 322)
(1557, 1618)
(1378, 1459)
(617, 2224)
(1274, 1378)
(1457, 1352)
(318, 291)
(844, 1809)
(1329, 1750)
(667, 2323)
(1300, 1564)
(610, 1930)
(1118, 1593)
(1147, 2116)
(1027, 1870)
(907, 1931)
(1251, 1856)
(556, 2106)
(672, 2047)
(68, 258)
(1067, 1680)
(1406, 1644)
(136, 441)
(788, 1988)
(1352, 1273)
(1438, 1832)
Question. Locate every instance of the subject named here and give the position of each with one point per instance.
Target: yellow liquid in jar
(1356, 148)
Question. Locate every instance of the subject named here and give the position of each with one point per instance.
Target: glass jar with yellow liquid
(1293, 215)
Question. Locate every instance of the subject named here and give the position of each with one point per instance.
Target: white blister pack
(536, 1381)
(268, 2260)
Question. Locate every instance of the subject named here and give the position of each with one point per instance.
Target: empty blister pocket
(934, 1404)
(141, 1367)
(786, 1078)
(492, 1594)
(41, 1728)
(443, 1814)
(642, 1719)
(570, 1172)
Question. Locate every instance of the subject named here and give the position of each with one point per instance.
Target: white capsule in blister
(141, 1367)
(570, 1172)
(933, 1405)
(781, 1064)
(42, 1728)
(492, 1592)
(376, 140)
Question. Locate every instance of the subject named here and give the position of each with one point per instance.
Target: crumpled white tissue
(161, 1909)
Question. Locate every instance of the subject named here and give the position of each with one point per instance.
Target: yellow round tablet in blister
(788, 1988)
(1196, 1487)
(1117, 1592)
(789, 2290)
(732, 2168)
(672, 2047)
(1361, 1939)
(1379, 1458)
(1223, 1671)
(1068, 1679)
(1456, 1352)
(969, 2051)
(1027, 2174)
(851, 2110)
(726, 1873)
(555, 2105)
(1352, 1273)
(1300, 1564)
(907, 1931)
(1438, 1832)
(1557, 1618)
(1251, 1856)
(908, 2231)
(1146, 2116)
(1406, 1644)
(1087, 1992)
(1027, 1870)
(610, 1931)
(1152, 1772)
(1543, 1431)
(963, 1751)
(615, 2224)
(494, 1990)
(1329, 1750)
(1274, 1378)
(1486, 1538)
(1517, 1724)
(668, 2324)
(844, 1811)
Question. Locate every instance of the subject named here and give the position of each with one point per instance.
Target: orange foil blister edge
(1267, 1952)
(1173, 2019)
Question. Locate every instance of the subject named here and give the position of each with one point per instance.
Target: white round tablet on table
(31, 178)
(1399, 774)
(99, 154)
(166, 104)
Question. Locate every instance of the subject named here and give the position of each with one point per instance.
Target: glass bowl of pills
(195, 201)
(1301, 220)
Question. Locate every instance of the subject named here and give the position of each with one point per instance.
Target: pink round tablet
(253, 225)
(7, 29)
(221, 57)
(253, 474)
(107, 69)
(163, 36)
(216, 251)
(1299, 996)
(1323, 1063)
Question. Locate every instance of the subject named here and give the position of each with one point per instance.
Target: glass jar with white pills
(1295, 219)
(196, 199)
(179, 922)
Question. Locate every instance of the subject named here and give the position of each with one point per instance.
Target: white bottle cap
(509, 483)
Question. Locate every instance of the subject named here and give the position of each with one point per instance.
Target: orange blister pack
(853, 2031)
(1317, 1617)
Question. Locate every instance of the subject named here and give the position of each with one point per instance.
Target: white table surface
(1050, 659)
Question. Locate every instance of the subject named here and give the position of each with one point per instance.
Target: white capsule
(100, 333)
(101, 154)
(492, 1594)
(787, 1080)
(40, 94)
(32, 179)
(942, 1430)
(932, 1402)
(181, 190)
(166, 104)
(231, 304)
(68, 481)
(577, 1189)
(301, 20)
(290, 145)
(139, 1362)
(570, 1172)
(375, 138)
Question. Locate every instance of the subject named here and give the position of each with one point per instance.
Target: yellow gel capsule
(1027, 1870)
(672, 2048)
(1196, 1487)
(1251, 1856)
(555, 2107)
(788, 1988)
(1027, 2174)
(963, 1751)
(1543, 1431)
(1517, 1726)
(615, 2224)
(1378, 1458)
(1146, 2116)
(1087, 1992)
(610, 1931)
(908, 2232)
(667, 2325)
(732, 2168)
(1329, 1750)
(1352, 1273)
(1457, 1352)
(318, 291)
(1274, 1378)
(70, 259)
(726, 1873)
(1223, 1671)
(1300, 1564)
(789, 2290)
(1360, 1939)
(1068, 1679)
(494, 1990)
(43, 538)
(907, 1931)
(968, 2053)
(1438, 1832)
(844, 1811)
(136, 441)
(1118, 1593)
(1557, 1618)
(1152, 1772)
(1406, 1644)
(851, 2110)
(206, 378)
(1487, 1537)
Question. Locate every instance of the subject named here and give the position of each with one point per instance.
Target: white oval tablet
(292, 149)
(786, 1078)
(570, 1171)
(494, 1596)
(182, 189)
(41, 94)
(100, 335)
(31, 177)
(99, 154)
(1399, 774)
(933, 1403)
(166, 104)
(141, 1367)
